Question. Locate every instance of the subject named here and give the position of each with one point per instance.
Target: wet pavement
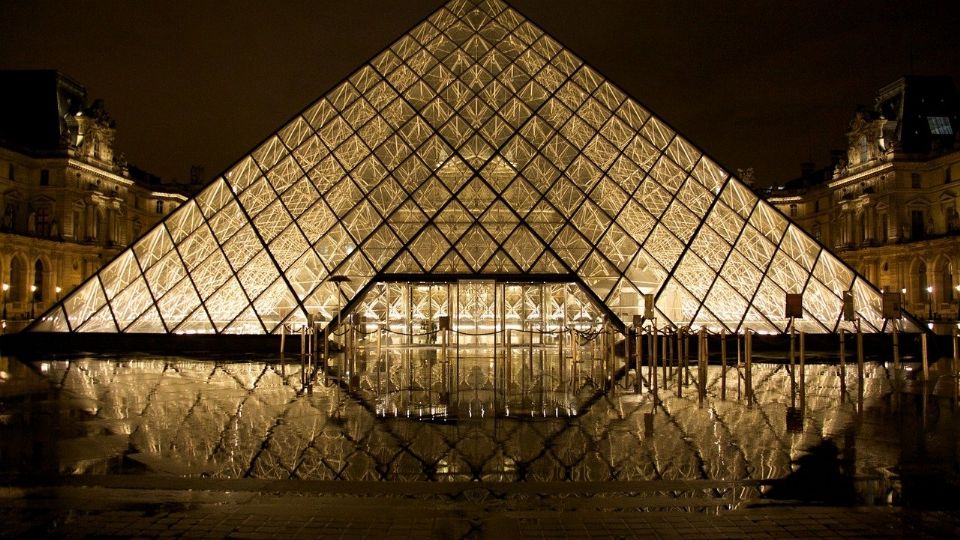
(170, 446)
(94, 512)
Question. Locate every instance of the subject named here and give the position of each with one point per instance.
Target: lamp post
(930, 302)
(6, 287)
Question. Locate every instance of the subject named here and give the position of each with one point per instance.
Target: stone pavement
(97, 511)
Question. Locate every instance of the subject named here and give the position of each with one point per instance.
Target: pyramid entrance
(475, 347)
(475, 145)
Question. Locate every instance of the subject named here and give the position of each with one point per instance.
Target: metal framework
(475, 145)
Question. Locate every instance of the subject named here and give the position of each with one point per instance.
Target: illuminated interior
(475, 145)
(475, 346)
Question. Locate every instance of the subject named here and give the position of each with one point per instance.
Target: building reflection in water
(244, 419)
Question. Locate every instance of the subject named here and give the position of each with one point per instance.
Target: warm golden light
(552, 172)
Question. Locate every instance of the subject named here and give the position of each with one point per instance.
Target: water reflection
(202, 418)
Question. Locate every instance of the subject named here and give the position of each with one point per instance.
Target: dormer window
(864, 149)
(939, 125)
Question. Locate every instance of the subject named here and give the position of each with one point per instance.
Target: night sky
(763, 84)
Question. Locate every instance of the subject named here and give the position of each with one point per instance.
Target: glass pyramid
(475, 145)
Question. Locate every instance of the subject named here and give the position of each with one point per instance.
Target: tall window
(42, 222)
(793, 210)
(11, 172)
(18, 286)
(44, 177)
(38, 281)
(916, 224)
(883, 228)
(159, 207)
(947, 175)
(915, 182)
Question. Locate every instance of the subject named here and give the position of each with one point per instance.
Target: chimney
(196, 174)
(836, 156)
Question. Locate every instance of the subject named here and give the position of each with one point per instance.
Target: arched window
(922, 281)
(38, 281)
(18, 285)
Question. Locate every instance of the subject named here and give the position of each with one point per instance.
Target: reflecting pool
(204, 418)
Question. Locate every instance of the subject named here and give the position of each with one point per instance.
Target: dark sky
(763, 84)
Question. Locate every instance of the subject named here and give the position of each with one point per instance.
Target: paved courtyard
(243, 509)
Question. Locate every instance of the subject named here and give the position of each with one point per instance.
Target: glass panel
(474, 144)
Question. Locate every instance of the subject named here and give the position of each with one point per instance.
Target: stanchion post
(859, 352)
(843, 358)
(956, 353)
(702, 365)
(792, 335)
(748, 360)
(560, 332)
(654, 359)
(739, 365)
(667, 352)
(723, 363)
(679, 355)
(803, 358)
(923, 355)
(896, 350)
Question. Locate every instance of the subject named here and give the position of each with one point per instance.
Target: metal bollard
(896, 350)
(702, 365)
(803, 356)
(859, 353)
(843, 359)
(956, 354)
(748, 360)
(679, 355)
(654, 360)
(723, 363)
